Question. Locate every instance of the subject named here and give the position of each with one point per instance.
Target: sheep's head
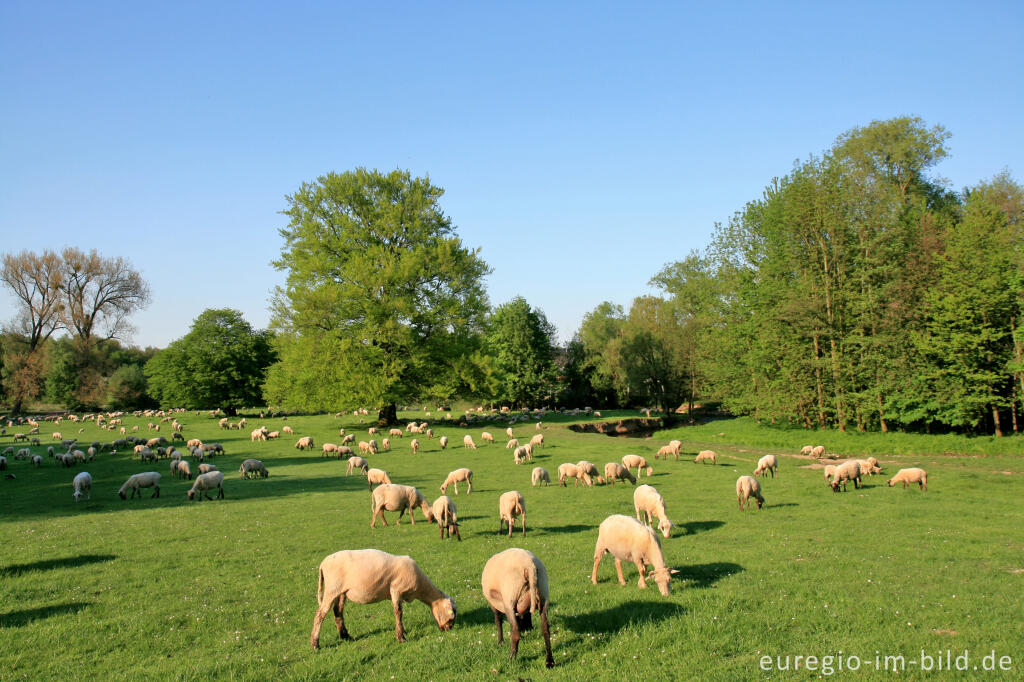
(444, 612)
(662, 577)
(78, 495)
(650, 470)
(665, 526)
(890, 482)
(191, 494)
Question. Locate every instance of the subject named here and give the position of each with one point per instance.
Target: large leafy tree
(382, 300)
(521, 340)
(221, 363)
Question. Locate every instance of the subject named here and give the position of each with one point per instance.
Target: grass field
(167, 589)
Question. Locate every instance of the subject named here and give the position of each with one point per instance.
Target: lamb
(818, 451)
(372, 431)
(206, 482)
(56, 436)
(376, 476)
(537, 440)
(590, 470)
(867, 468)
(445, 513)
(766, 464)
(747, 487)
(626, 539)
(673, 448)
(454, 477)
(205, 468)
(356, 462)
(846, 471)
(509, 433)
(396, 433)
(288, 430)
(630, 461)
(511, 505)
(443, 440)
(430, 433)
(665, 451)
(512, 444)
(364, 447)
(515, 585)
(539, 474)
(571, 470)
(415, 445)
(350, 438)
(397, 497)
(806, 450)
(258, 434)
(328, 449)
(647, 499)
(183, 470)
(467, 442)
(148, 479)
(385, 444)
(253, 467)
(912, 475)
(194, 443)
(304, 443)
(706, 456)
(367, 576)
(522, 453)
(82, 484)
(613, 471)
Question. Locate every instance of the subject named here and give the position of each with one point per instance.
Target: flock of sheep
(515, 581)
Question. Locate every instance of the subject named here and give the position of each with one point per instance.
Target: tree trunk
(229, 411)
(388, 415)
(995, 421)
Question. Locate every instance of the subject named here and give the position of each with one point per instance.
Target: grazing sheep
(509, 433)
(206, 482)
(571, 470)
(818, 451)
(511, 505)
(328, 449)
(194, 443)
(647, 499)
(376, 476)
(590, 470)
(145, 455)
(446, 515)
(82, 484)
(415, 445)
(867, 468)
(350, 438)
(613, 471)
(630, 461)
(706, 456)
(912, 475)
(148, 479)
(397, 497)
(522, 454)
(664, 451)
(385, 444)
(396, 433)
(304, 443)
(846, 471)
(37, 461)
(206, 468)
(367, 576)
(467, 442)
(747, 487)
(515, 584)
(766, 464)
(357, 462)
(56, 436)
(806, 450)
(253, 467)
(537, 440)
(454, 477)
(626, 539)
(258, 434)
(372, 431)
(288, 430)
(830, 470)
(183, 470)
(512, 444)
(539, 474)
(443, 440)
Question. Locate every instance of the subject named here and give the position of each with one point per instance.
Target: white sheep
(357, 462)
(328, 449)
(912, 475)
(443, 440)
(509, 433)
(82, 484)
(614, 471)
(766, 464)
(454, 477)
(806, 450)
(665, 451)
(415, 445)
(446, 515)
(818, 451)
(747, 487)
(830, 470)
(183, 469)
(253, 467)
(396, 433)
(568, 470)
(846, 471)
(538, 476)
(511, 505)
(515, 585)
(258, 434)
(397, 497)
(627, 539)
(512, 444)
(206, 482)
(706, 456)
(630, 461)
(367, 576)
(537, 440)
(522, 454)
(648, 500)
(304, 443)
(467, 442)
(590, 469)
(385, 444)
(376, 476)
(867, 468)
(147, 479)
(206, 468)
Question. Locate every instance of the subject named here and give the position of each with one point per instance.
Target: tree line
(858, 291)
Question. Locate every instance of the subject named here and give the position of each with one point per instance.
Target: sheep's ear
(673, 571)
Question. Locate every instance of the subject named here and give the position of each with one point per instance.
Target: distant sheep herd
(514, 582)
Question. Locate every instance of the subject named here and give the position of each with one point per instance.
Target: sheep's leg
(618, 571)
(469, 486)
(511, 524)
(546, 631)
(497, 624)
(156, 493)
(321, 612)
(458, 535)
(399, 628)
(642, 583)
(598, 553)
(339, 617)
(739, 499)
(524, 524)
(513, 627)
(220, 492)
(456, 484)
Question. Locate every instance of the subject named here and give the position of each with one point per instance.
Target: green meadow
(170, 589)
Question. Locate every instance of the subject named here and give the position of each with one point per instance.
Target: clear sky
(582, 145)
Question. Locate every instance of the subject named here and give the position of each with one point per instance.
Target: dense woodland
(858, 292)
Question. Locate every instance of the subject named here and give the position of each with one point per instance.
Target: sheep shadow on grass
(16, 619)
(15, 570)
(706, 575)
(694, 527)
(568, 528)
(622, 616)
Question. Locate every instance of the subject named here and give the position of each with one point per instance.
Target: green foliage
(380, 291)
(521, 339)
(221, 363)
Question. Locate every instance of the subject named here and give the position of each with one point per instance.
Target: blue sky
(581, 145)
